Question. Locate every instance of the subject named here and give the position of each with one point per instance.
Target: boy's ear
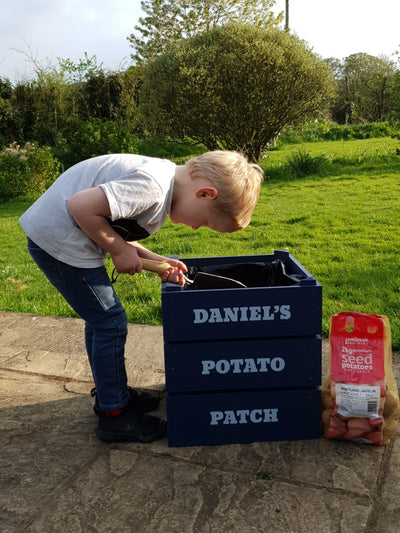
(207, 192)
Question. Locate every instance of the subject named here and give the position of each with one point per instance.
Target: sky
(45, 30)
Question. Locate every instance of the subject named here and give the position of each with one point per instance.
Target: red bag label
(357, 349)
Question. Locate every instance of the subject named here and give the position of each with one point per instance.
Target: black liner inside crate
(257, 274)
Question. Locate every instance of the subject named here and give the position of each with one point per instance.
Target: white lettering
(216, 416)
(244, 416)
(236, 363)
(256, 416)
(270, 415)
(250, 366)
(255, 313)
(231, 314)
(200, 316)
(222, 366)
(215, 315)
(356, 340)
(263, 362)
(230, 418)
(243, 314)
(207, 366)
(267, 313)
(277, 364)
(243, 366)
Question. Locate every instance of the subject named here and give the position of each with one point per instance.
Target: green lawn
(343, 227)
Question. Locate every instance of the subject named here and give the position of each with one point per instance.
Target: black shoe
(130, 427)
(139, 401)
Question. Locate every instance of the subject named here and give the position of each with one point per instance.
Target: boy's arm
(90, 209)
(172, 275)
(147, 254)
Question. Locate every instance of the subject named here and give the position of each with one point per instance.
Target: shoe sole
(106, 436)
(137, 410)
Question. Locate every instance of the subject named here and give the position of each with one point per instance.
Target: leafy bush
(330, 131)
(233, 87)
(176, 151)
(301, 164)
(26, 171)
(89, 138)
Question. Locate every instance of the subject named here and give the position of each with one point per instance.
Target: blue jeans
(91, 295)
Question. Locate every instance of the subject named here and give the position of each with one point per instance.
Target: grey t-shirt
(137, 188)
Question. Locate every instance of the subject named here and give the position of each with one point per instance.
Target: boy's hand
(175, 273)
(126, 260)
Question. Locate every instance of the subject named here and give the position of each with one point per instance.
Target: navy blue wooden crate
(243, 364)
(245, 313)
(243, 417)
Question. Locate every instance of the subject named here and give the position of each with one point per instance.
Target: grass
(342, 225)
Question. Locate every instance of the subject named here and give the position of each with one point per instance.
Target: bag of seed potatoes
(359, 394)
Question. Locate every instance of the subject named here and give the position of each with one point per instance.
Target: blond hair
(236, 180)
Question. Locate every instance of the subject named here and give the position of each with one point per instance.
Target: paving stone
(17, 389)
(388, 514)
(56, 476)
(43, 446)
(133, 491)
(352, 468)
(54, 346)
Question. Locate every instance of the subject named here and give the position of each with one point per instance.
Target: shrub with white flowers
(26, 171)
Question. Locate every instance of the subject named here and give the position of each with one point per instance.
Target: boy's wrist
(147, 254)
(117, 247)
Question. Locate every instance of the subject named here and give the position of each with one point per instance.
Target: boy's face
(196, 212)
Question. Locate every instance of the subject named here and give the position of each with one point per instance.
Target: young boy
(70, 230)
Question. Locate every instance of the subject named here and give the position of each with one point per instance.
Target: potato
(390, 426)
(375, 437)
(359, 424)
(326, 398)
(326, 416)
(391, 408)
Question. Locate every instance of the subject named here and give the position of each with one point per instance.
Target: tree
(64, 100)
(9, 123)
(110, 96)
(234, 87)
(394, 95)
(168, 21)
(364, 83)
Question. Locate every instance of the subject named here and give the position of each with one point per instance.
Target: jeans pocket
(55, 275)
